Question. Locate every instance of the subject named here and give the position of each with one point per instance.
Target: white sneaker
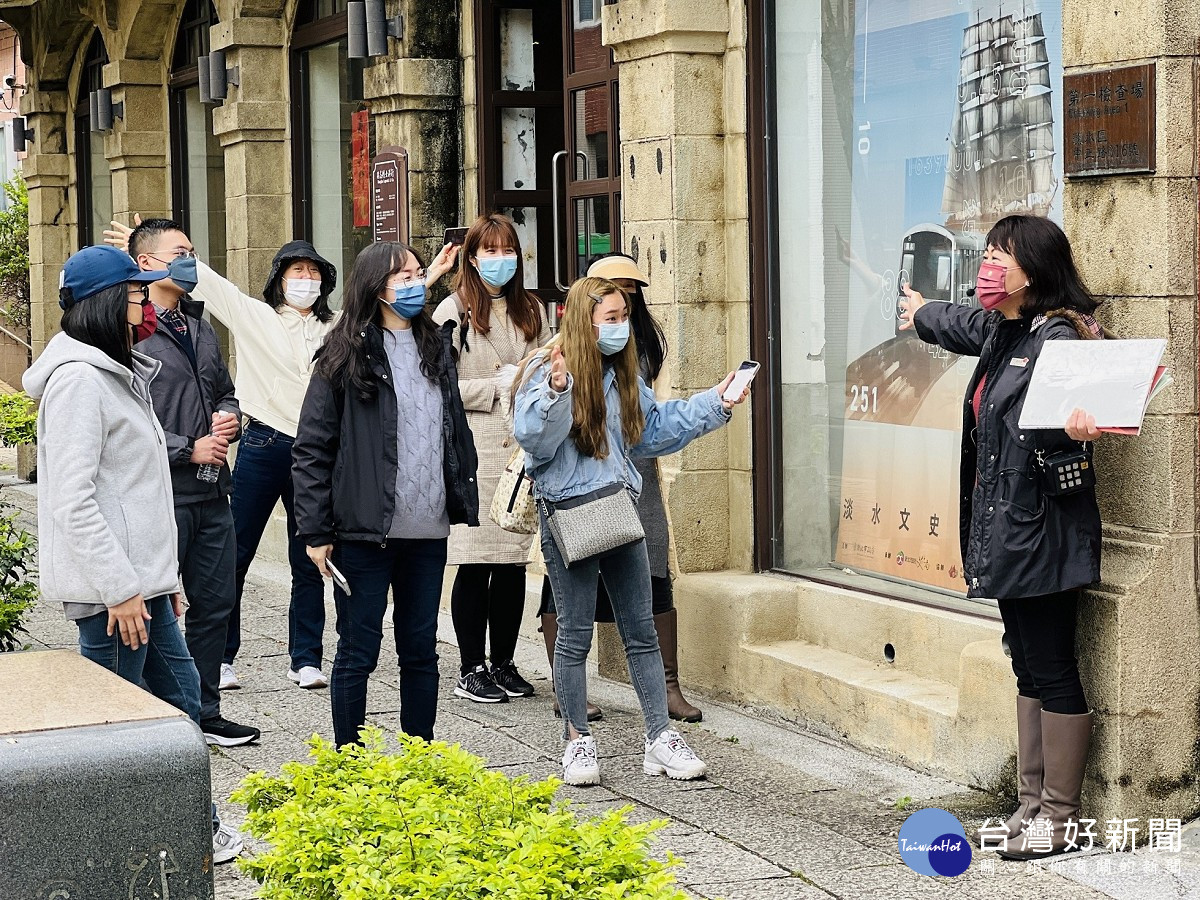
(229, 679)
(580, 765)
(670, 755)
(227, 844)
(308, 677)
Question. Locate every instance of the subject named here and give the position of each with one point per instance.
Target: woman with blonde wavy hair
(582, 413)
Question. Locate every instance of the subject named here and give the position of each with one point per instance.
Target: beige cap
(611, 267)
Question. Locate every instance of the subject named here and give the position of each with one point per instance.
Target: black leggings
(1041, 639)
(486, 595)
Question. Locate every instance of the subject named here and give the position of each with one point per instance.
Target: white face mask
(301, 293)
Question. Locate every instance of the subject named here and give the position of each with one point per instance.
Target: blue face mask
(613, 337)
(497, 270)
(182, 271)
(410, 300)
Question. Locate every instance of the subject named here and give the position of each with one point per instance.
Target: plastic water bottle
(209, 472)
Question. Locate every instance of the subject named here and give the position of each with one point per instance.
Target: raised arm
(542, 416)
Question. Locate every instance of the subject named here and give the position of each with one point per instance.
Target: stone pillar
(415, 104)
(252, 125)
(1135, 240)
(685, 223)
(47, 173)
(137, 147)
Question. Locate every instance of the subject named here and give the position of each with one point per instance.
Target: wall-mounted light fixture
(215, 78)
(368, 28)
(103, 110)
(21, 134)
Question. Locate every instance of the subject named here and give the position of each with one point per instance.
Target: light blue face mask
(497, 270)
(410, 300)
(613, 337)
(182, 271)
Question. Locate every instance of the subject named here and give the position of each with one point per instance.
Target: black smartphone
(455, 236)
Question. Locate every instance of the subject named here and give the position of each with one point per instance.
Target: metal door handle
(559, 237)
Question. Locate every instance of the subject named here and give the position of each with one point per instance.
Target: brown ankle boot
(678, 708)
(1065, 741)
(1029, 764)
(549, 632)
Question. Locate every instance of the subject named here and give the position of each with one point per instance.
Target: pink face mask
(989, 286)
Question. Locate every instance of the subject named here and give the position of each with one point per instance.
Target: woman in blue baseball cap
(108, 542)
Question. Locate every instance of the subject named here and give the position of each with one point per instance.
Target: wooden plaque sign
(1109, 121)
(389, 194)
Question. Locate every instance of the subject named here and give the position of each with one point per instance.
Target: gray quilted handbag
(592, 524)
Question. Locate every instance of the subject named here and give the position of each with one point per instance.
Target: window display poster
(954, 128)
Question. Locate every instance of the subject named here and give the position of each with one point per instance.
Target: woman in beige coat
(500, 323)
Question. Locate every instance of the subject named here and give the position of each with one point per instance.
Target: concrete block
(699, 507)
(672, 95)
(1148, 483)
(1133, 236)
(1121, 30)
(106, 788)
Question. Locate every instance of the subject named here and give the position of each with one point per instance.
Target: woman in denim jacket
(582, 413)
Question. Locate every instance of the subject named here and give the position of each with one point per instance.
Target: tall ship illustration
(1000, 161)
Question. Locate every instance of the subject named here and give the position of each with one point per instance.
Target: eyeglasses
(178, 254)
(407, 280)
(143, 290)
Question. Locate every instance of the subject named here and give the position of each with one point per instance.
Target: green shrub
(18, 419)
(17, 591)
(14, 252)
(431, 821)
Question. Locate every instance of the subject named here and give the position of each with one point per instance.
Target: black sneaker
(224, 733)
(477, 685)
(509, 680)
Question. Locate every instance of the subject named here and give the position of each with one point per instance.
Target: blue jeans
(162, 666)
(262, 476)
(413, 571)
(627, 578)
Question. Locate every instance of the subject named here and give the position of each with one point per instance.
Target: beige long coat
(490, 418)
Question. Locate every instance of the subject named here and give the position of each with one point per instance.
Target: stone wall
(1135, 241)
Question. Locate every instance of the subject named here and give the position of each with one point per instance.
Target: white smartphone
(741, 380)
(338, 578)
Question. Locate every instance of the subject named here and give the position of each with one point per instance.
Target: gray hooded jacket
(105, 509)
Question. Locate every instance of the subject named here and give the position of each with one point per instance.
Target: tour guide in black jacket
(194, 384)
(383, 464)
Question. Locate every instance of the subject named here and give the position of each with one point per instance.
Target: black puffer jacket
(345, 458)
(1016, 541)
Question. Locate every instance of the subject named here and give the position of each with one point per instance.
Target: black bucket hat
(288, 254)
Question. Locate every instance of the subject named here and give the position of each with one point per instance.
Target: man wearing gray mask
(194, 400)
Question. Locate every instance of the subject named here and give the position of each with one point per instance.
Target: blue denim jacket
(542, 420)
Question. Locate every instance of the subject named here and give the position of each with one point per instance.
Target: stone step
(875, 704)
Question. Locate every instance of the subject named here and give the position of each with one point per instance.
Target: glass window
(589, 119)
(202, 212)
(330, 92)
(93, 176)
(900, 138)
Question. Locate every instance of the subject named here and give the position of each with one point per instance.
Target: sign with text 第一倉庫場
(1109, 121)
(389, 194)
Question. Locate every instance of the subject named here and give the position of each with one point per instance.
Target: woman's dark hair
(649, 334)
(102, 321)
(343, 358)
(1044, 253)
(321, 309)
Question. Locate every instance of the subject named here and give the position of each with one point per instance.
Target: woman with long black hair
(383, 465)
(1027, 545)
